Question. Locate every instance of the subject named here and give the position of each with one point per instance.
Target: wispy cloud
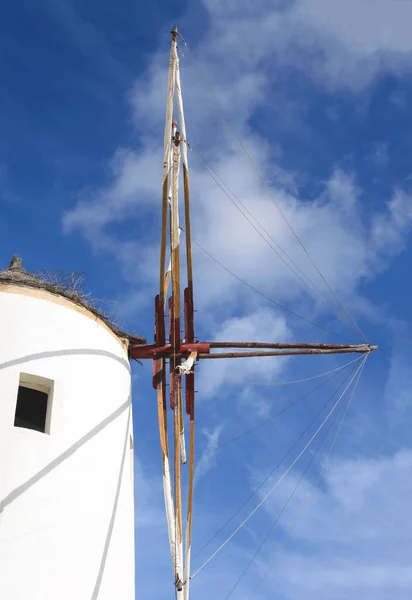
(357, 530)
(389, 229)
(207, 458)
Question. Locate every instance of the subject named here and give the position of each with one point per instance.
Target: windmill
(174, 357)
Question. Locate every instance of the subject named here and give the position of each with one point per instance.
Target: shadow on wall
(69, 452)
(18, 491)
(64, 353)
(113, 515)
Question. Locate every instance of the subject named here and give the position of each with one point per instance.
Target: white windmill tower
(66, 447)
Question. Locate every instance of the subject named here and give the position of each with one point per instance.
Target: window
(33, 407)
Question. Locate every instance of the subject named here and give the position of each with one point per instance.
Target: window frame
(40, 384)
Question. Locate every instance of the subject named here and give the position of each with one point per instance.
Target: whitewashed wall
(67, 512)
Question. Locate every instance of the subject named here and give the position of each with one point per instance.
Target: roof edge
(16, 275)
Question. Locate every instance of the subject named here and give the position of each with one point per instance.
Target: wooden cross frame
(182, 354)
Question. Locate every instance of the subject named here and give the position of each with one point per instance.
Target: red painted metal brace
(190, 340)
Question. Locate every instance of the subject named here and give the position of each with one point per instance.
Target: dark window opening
(31, 409)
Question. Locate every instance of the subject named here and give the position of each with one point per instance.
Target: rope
(285, 505)
(268, 190)
(277, 304)
(273, 488)
(219, 181)
(276, 383)
(309, 496)
(274, 468)
(273, 417)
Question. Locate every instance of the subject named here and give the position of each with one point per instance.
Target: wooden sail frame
(182, 354)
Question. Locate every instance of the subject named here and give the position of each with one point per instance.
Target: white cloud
(331, 227)
(263, 325)
(347, 247)
(358, 530)
(207, 458)
(133, 183)
(398, 390)
(367, 26)
(340, 45)
(388, 229)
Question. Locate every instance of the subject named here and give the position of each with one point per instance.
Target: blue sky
(319, 92)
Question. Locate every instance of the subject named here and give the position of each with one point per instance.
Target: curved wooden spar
(189, 338)
(166, 160)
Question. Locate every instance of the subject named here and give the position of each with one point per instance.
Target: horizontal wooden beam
(291, 352)
(290, 345)
(142, 351)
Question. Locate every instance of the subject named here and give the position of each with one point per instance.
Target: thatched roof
(67, 287)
